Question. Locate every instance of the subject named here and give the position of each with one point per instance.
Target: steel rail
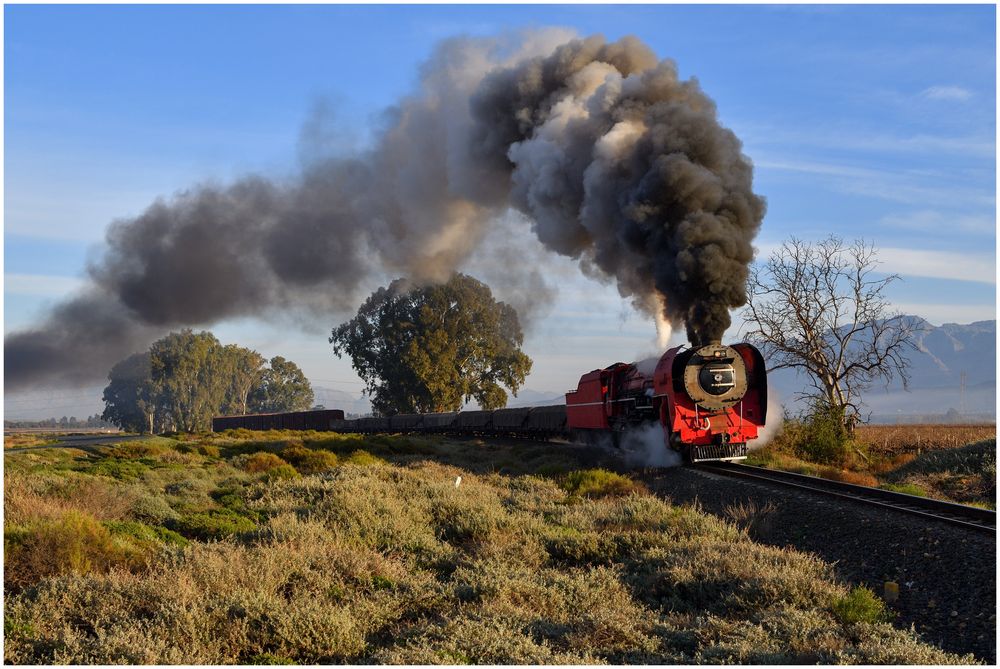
(971, 517)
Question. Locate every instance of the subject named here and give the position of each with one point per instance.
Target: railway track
(981, 520)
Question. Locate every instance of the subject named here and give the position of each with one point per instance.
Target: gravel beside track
(946, 574)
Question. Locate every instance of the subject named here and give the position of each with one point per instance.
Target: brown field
(26, 440)
(893, 440)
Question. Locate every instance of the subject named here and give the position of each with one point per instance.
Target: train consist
(320, 419)
(710, 400)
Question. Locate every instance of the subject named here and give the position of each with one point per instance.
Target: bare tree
(821, 308)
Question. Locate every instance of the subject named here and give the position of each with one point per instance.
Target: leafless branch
(821, 308)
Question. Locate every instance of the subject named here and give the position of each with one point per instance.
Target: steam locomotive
(710, 400)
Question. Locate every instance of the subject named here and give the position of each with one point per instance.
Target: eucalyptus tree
(434, 347)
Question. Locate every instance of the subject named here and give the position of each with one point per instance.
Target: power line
(356, 383)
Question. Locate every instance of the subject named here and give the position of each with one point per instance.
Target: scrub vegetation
(956, 463)
(282, 547)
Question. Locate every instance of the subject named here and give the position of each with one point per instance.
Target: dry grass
(778, 459)
(895, 440)
(26, 439)
(384, 557)
(756, 521)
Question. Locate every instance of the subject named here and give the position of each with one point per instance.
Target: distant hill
(536, 398)
(340, 399)
(945, 355)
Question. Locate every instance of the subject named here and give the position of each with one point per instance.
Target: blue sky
(861, 120)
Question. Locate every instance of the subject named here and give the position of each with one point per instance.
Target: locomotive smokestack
(616, 161)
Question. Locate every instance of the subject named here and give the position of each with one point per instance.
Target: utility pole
(961, 396)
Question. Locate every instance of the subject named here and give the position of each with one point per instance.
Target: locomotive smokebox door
(715, 377)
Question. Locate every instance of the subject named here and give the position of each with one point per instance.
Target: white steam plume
(645, 446)
(775, 421)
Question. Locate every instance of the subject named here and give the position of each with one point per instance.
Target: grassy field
(315, 548)
(956, 463)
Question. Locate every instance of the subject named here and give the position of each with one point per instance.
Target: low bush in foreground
(75, 543)
(861, 605)
(597, 483)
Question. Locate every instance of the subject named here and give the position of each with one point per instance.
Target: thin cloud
(939, 314)
(975, 146)
(947, 93)
(980, 268)
(929, 220)
(905, 187)
(41, 285)
(939, 264)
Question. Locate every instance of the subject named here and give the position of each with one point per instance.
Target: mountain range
(952, 373)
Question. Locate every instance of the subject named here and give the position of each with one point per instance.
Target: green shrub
(152, 509)
(268, 658)
(214, 524)
(123, 470)
(598, 483)
(570, 545)
(74, 542)
(861, 605)
(145, 533)
(823, 437)
(363, 459)
(281, 473)
(230, 497)
(308, 461)
(906, 488)
(260, 462)
(208, 450)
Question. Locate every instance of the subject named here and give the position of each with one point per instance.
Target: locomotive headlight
(717, 378)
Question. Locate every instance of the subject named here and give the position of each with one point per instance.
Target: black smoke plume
(614, 161)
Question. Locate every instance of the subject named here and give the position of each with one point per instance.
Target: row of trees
(64, 422)
(819, 308)
(185, 379)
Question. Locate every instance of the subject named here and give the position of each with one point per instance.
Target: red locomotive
(710, 400)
